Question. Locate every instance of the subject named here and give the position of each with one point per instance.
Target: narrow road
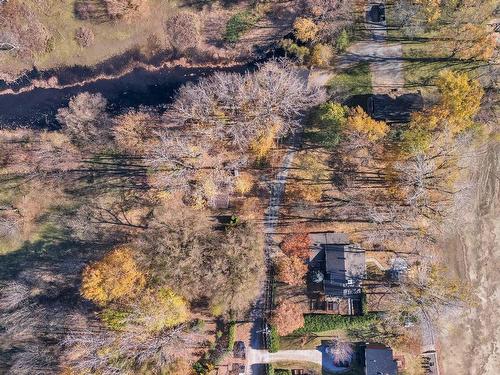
(316, 356)
(386, 59)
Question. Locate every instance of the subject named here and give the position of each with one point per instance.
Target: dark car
(239, 349)
(381, 12)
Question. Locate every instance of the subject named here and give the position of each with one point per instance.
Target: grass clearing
(353, 81)
(111, 38)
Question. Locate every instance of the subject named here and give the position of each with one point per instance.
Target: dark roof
(394, 109)
(379, 360)
(343, 264)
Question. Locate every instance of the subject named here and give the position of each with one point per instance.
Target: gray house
(336, 271)
(378, 360)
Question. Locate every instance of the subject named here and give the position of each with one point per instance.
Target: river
(37, 107)
(469, 345)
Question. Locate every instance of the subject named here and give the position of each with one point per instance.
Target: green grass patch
(354, 81)
(423, 63)
(238, 24)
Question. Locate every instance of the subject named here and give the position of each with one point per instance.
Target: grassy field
(424, 57)
(111, 37)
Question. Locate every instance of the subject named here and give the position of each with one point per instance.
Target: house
(378, 360)
(336, 270)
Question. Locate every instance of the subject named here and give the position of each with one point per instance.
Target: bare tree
(341, 351)
(183, 31)
(240, 108)
(85, 119)
(12, 294)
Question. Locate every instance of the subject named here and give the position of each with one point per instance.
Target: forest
(135, 240)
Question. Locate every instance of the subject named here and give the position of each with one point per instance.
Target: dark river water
(37, 108)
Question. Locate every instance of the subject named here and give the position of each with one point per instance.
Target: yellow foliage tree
(114, 277)
(460, 95)
(321, 55)
(431, 9)
(244, 183)
(261, 146)
(161, 309)
(361, 123)
(305, 29)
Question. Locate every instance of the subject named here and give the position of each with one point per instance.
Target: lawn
(354, 81)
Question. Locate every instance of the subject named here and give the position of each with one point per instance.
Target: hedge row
(274, 338)
(231, 336)
(322, 322)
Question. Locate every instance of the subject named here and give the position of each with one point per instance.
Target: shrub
(231, 336)
(238, 25)
(114, 319)
(300, 52)
(320, 322)
(183, 31)
(274, 340)
(364, 303)
(342, 41)
(270, 369)
(84, 36)
(281, 371)
(321, 54)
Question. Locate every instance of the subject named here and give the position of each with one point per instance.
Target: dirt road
(469, 344)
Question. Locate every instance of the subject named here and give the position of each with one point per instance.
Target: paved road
(310, 355)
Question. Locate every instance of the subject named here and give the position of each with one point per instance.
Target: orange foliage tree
(114, 277)
(291, 270)
(296, 245)
(288, 317)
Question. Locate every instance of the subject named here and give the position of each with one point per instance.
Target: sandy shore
(469, 344)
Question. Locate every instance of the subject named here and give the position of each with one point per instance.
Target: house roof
(379, 360)
(344, 265)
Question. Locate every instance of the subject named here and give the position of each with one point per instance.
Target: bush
(300, 52)
(238, 25)
(321, 55)
(320, 322)
(231, 336)
(270, 369)
(342, 41)
(84, 36)
(274, 340)
(114, 319)
(281, 371)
